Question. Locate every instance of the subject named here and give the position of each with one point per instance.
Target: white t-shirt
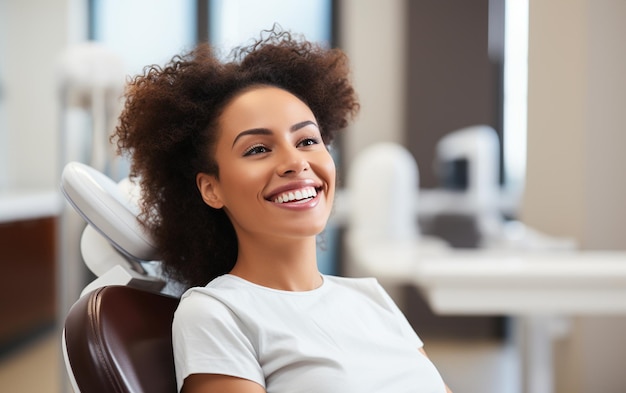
(346, 336)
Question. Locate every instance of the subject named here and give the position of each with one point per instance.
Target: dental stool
(117, 336)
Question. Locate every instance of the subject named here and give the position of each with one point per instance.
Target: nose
(292, 162)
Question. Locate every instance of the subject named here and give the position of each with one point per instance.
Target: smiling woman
(270, 150)
(237, 181)
(171, 124)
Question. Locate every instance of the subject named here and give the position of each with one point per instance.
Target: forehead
(263, 107)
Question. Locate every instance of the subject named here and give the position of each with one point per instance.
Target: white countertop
(559, 283)
(505, 283)
(18, 205)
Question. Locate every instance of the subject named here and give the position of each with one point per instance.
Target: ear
(208, 187)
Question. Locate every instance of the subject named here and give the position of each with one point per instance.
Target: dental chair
(117, 336)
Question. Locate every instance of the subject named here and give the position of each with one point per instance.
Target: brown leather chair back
(118, 339)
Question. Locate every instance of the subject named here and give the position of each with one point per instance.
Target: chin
(309, 231)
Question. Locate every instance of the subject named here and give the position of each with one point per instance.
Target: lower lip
(303, 204)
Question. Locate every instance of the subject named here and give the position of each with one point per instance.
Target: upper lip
(291, 186)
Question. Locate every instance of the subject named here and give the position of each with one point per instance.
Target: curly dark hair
(169, 127)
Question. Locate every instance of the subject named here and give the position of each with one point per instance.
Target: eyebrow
(265, 131)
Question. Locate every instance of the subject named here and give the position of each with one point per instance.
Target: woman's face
(276, 177)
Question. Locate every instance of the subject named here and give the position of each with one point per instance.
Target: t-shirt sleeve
(208, 338)
(403, 323)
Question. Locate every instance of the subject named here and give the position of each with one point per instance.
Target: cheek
(327, 165)
(242, 183)
(328, 159)
(333, 173)
(239, 181)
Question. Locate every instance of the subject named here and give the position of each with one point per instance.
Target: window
(515, 93)
(235, 22)
(141, 31)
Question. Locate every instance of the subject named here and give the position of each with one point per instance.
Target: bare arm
(424, 352)
(211, 383)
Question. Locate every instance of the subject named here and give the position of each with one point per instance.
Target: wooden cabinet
(27, 277)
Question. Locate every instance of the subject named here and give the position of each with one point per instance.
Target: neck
(286, 265)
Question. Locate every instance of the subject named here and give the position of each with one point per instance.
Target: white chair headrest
(110, 208)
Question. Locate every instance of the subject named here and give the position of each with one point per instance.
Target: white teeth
(297, 195)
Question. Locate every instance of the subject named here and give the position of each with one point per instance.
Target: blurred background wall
(576, 134)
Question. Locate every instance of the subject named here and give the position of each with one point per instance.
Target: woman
(238, 182)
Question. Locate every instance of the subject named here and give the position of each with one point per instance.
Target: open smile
(300, 195)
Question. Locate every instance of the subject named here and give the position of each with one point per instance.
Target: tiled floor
(467, 367)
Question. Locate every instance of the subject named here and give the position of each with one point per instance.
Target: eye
(256, 149)
(308, 142)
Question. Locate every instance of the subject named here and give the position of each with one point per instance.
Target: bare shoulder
(209, 383)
